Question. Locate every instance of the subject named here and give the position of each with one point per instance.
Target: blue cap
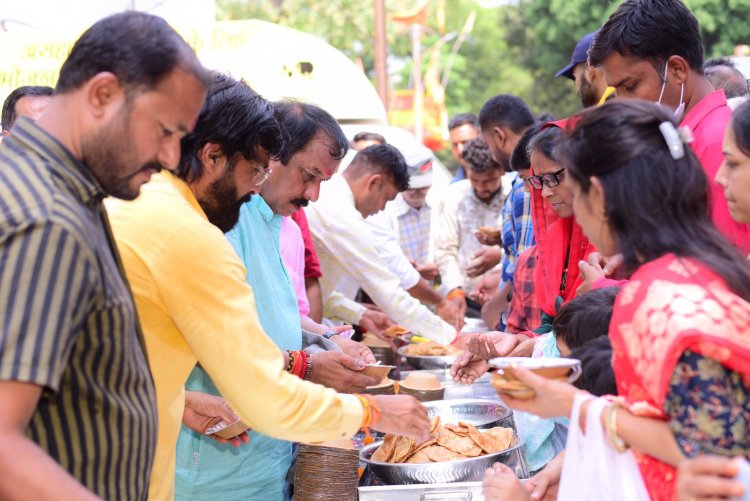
(580, 55)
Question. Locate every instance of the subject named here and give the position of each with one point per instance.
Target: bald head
(728, 78)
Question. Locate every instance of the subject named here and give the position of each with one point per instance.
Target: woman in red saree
(560, 246)
(680, 330)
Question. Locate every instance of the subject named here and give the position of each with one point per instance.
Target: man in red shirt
(651, 49)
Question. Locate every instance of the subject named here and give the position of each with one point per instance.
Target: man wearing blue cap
(590, 82)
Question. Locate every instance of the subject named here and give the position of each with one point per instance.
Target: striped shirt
(68, 319)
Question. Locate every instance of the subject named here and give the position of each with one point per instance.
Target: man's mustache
(300, 202)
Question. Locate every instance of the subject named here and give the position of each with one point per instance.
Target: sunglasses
(549, 180)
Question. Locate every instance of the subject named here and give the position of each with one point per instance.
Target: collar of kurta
(74, 174)
(402, 207)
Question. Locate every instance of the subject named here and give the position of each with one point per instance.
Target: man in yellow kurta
(195, 304)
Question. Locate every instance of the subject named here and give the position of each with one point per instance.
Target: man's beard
(109, 156)
(587, 93)
(222, 203)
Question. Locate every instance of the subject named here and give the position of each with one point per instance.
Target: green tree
(544, 32)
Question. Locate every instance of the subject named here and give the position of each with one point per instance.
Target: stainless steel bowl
(481, 413)
(428, 363)
(463, 470)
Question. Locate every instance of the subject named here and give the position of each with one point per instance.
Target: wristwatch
(329, 334)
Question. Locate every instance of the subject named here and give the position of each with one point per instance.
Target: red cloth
(562, 239)
(312, 265)
(671, 305)
(708, 121)
(524, 314)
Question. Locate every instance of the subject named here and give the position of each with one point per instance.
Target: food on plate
(430, 349)
(490, 231)
(385, 451)
(422, 381)
(395, 331)
(450, 442)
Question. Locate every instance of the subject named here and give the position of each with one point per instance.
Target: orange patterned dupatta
(671, 305)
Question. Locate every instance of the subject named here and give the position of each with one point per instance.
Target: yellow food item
(430, 349)
(395, 331)
(450, 442)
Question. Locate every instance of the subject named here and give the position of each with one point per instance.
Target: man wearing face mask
(347, 247)
(651, 49)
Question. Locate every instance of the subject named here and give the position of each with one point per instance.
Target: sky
(73, 16)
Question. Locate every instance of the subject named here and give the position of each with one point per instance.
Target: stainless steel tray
(479, 412)
(463, 470)
(459, 491)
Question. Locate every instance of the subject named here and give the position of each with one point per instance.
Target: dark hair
(9, 106)
(463, 119)
(728, 78)
(478, 156)
(718, 61)
(545, 141)
(234, 117)
(381, 158)
(654, 205)
(598, 376)
(301, 121)
(741, 127)
(585, 317)
(138, 48)
(368, 136)
(519, 159)
(652, 30)
(507, 111)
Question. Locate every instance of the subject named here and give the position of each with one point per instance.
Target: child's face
(563, 348)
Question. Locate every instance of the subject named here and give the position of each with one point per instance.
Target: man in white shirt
(402, 237)
(346, 245)
(465, 207)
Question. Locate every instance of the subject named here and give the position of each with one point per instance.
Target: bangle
(457, 292)
(290, 364)
(617, 443)
(308, 369)
(374, 410)
(367, 415)
(300, 364)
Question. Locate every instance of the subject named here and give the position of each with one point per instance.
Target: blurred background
(409, 63)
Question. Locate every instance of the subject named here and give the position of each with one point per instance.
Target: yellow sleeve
(202, 284)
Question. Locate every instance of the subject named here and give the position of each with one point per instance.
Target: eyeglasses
(549, 180)
(261, 174)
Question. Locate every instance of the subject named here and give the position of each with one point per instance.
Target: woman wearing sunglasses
(680, 328)
(552, 271)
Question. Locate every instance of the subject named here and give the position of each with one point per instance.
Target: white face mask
(681, 108)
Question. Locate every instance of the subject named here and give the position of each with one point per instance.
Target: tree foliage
(515, 49)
